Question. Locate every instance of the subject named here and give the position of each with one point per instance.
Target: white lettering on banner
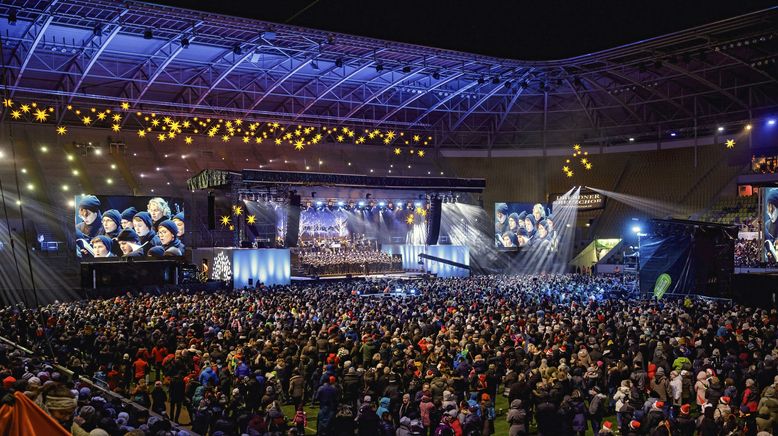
(585, 201)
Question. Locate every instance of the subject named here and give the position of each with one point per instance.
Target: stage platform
(397, 275)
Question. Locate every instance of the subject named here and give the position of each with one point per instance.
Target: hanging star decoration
(397, 151)
(61, 130)
(730, 143)
(7, 102)
(225, 220)
(41, 115)
(409, 220)
(125, 105)
(251, 219)
(142, 133)
(188, 140)
(238, 210)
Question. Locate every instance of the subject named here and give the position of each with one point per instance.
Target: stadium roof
(179, 61)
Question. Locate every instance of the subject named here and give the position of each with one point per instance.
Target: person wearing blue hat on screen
(143, 227)
(771, 223)
(127, 217)
(101, 245)
(500, 219)
(111, 223)
(91, 218)
(170, 242)
(179, 220)
(129, 243)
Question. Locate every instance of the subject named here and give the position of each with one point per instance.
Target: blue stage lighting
(340, 203)
(319, 203)
(636, 229)
(381, 204)
(771, 122)
(417, 204)
(361, 204)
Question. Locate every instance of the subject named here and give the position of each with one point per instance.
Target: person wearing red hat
(723, 409)
(8, 382)
(606, 430)
(684, 421)
(634, 428)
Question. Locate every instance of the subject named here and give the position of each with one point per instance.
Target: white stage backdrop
(271, 266)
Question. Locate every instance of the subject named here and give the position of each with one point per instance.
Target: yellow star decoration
(246, 139)
(7, 102)
(188, 140)
(225, 138)
(361, 140)
(421, 153)
(225, 220)
(397, 151)
(25, 108)
(142, 133)
(340, 138)
(161, 137)
(155, 122)
(238, 210)
(588, 166)
(584, 161)
(416, 138)
(730, 143)
(277, 141)
(258, 140)
(116, 127)
(117, 117)
(409, 220)
(41, 115)
(299, 144)
(565, 168)
(87, 120)
(390, 134)
(125, 105)
(576, 147)
(569, 174)
(387, 141)
(61, 130)
(251, 219)
(16, 115)
(101, 116)
(186, 124)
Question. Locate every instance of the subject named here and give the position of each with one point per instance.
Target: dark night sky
(520, 29)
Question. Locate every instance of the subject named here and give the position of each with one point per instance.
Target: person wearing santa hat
(606, 430)
(633, 429)
(684, 422)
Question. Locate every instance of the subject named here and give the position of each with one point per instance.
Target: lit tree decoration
(222, 269)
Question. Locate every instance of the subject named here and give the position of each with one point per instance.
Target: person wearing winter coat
(424, 409)
(660, 385)
(296, 388)
(620, 397)
(158, 398)
(676, 389)
(597, 408)
(383, 406)
(684, 421)
(404, 429)
(723, 410)
(516, 419)
(700, 388)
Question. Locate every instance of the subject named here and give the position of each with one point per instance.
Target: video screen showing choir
(116, 227)
(524, 226)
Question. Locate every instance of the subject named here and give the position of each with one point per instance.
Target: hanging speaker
(292, 221)
(211, 213)
(433, 220)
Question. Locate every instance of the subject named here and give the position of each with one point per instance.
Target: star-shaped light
(125, 105)
(25, 108)
(116, 127)
(87, 120)
(361, 140)
(251, 219)
(7, 102)
(421, 153)
(577, 147)
(171, 135)
(167, 120)
(397, 151)
(416, 138)
(225, 138)
(238, 210)
(387, 141)
(155, 122)
(117, 117)
(730, 143)
(390, 134)
(340, 138)
(569, 174)
(588, 165)
(584, 161)
(16, 115)
(101, 116)
(61, 130)
(238, 122)
(186, 124)
(565, 168)
(246, 139)
(41, 115)
(299, 144)
(211, 133)
(142, 133)
(258, 140)
(161, 137)
(277, 141)
(225, 220)
(298, 132)
(409, 220)
(188, 140)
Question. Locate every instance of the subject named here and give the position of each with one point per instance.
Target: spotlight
(771, 122)
(379, 67)
(496, 80)
(672, 134)
(417, 204)
(319, 203)
(148, 34)
(407, 69)
(98, 30)
(361, 203)
(44, 149)
(720, 129)
(631, 139)
(381, 204)
(185, 42)
(481, 80)
(237, 49)
(30, 187)
(98, 152)
(636, 229)
(748, 126)
(436, 75)
(338, 62)
(341, 204)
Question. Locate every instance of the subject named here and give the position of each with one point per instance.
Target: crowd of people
(748, 253)
(566, 350)
(348, 261)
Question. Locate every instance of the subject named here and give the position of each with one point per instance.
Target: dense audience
(748, 253)
(566, 350)
(339, 262)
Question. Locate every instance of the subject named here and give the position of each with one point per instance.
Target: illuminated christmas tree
(222, 270)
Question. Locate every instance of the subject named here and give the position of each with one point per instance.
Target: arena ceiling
(183, 62)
